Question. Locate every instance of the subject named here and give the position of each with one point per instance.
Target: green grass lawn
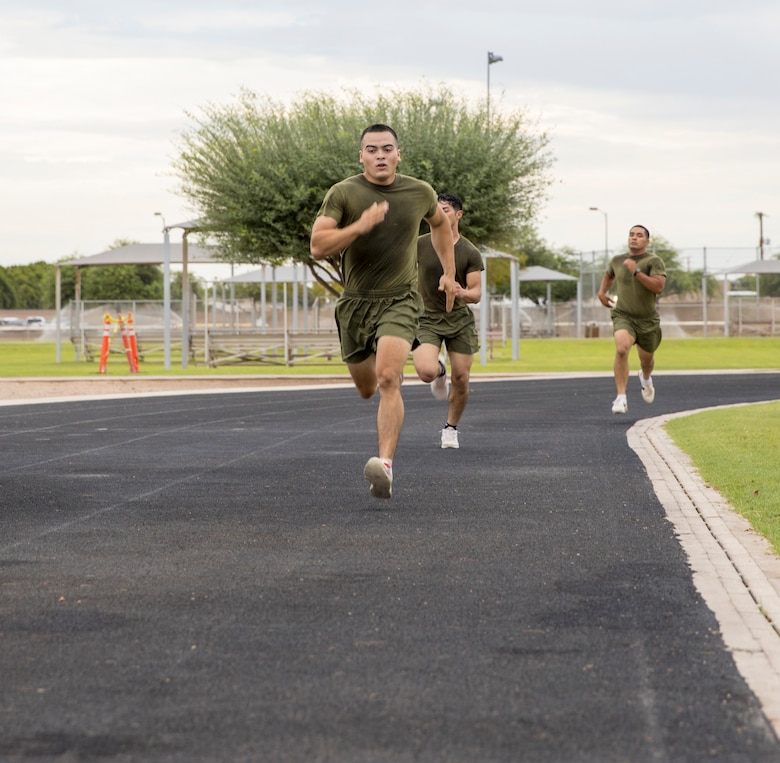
(536, 356)
(745, 472)
(736, 451)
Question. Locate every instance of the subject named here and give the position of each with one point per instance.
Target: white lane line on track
(734, 568)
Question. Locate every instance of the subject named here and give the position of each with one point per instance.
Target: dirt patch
(36, 389)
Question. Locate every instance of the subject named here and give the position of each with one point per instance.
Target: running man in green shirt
(640, 278)
(456, 329)
(373, 221)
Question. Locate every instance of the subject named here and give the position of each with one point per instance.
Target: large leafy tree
(678, 280)
(29, 281)
(122, 282)
(7, 293)
(256, 171)
(24, 286)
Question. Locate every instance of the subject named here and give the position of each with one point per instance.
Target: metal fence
(709, 259)
(745, 314)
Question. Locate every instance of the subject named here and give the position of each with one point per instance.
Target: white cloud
(666, 113)
(189, 22)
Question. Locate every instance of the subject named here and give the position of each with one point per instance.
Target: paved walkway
(204, 577)
(735, 569)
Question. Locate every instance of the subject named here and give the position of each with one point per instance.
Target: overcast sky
(664, 113)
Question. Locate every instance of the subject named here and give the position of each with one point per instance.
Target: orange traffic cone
(104, 348)
(126, 341)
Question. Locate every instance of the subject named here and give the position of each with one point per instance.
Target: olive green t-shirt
(633, 298)
(384, 260)
(429, 270)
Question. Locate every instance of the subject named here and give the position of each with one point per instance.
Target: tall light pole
(606, 232)
(760, 216)
(166, 294)
(492, 58)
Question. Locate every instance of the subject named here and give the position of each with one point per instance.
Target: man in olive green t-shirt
(640, 278)
(373, 220)
(456, 330)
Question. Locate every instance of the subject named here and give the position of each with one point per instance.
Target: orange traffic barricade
(106, 344)
(133, 341)
(126, 342)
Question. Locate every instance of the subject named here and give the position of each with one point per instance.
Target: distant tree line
(32, 287)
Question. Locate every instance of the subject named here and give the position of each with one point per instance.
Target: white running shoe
(648, 390)
(449, 438)
(620, 405)
(380, 475)
(439, 385)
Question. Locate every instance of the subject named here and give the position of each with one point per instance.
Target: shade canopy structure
(147, 254)
(538, 273)
(533, 273)
(514, 296)
(756, 267)
(297, 274)
(164, 254)
(762, 267)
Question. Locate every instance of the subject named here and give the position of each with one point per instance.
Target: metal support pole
(185, 303)
(492, 58)
(166, 298)
(704, 295)
(514, 292)
(484, 318)
(58, 308)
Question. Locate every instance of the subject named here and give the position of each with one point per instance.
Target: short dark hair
(643, 228)
(450, 198)
(378, 128)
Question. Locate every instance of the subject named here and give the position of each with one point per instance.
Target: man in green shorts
(373, 220)
(456, 329)
(640, 279)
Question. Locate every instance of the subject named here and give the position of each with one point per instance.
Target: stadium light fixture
(606, 231)
(492, 58)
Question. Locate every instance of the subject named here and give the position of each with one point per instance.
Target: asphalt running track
(206, 578)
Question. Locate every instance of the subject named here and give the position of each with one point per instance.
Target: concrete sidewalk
(735, 569)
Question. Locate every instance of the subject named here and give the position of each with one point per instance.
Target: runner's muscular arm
(606, 285)
(655, 283)
(473, 291)
(441, 238)
(328, 239)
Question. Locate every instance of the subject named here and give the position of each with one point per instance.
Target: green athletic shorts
(361, 320)
(458, 330)
(646, 331)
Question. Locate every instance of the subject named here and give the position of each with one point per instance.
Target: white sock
(644, 381)
(621, 397)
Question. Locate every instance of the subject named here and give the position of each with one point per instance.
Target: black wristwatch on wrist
(637, 272)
